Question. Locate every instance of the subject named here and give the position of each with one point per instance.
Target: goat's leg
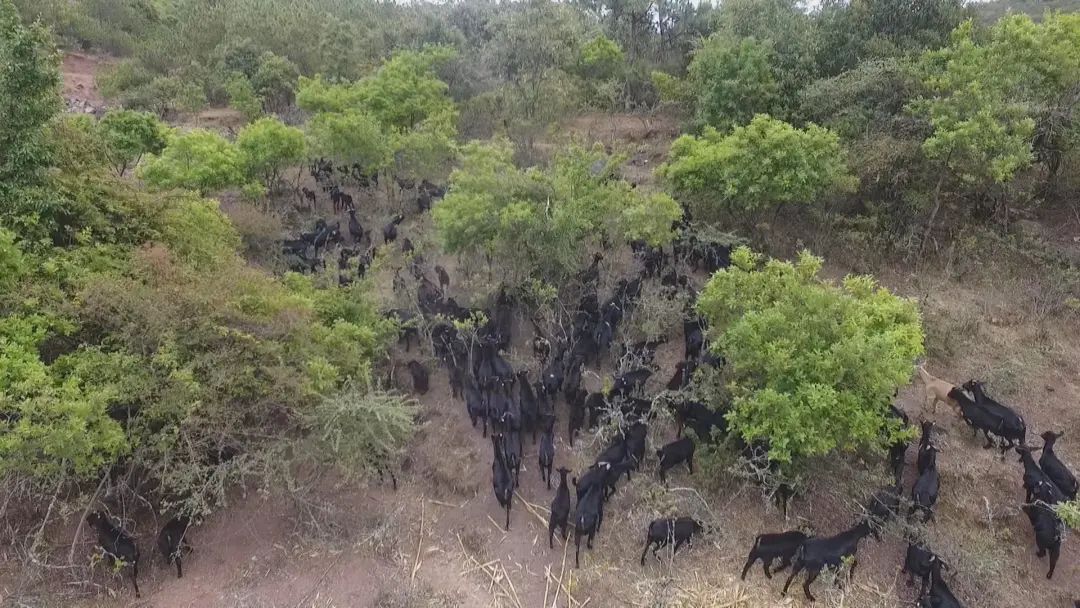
(851, 573)
(179, 566)
(811, 576)
(577, 548)
(135, 577)
(750, 562)
(646, 550)
(794, 572)
(1055, 551)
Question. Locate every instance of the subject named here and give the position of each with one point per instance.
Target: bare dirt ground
(78, 71)
(438, 540)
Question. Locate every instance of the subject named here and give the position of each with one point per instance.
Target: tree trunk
(934, 212)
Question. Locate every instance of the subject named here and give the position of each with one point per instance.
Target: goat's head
(1050, 437)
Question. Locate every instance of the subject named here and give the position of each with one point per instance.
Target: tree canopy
(724, 172)
(200, 160)
(541, 223)
(812, 365)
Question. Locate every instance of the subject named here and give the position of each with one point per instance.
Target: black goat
(117, 544)
(680, 450)
(924, 493)
(882, 508)
(309, 196)
(419, 375)
(501, 479)
(978, 418)
(898, 448)
(919, 561)
(575, 402)
(560, 508)
(694, 337)
(1056, 470)
(587, 520)
(670, 531)
(172, 543)
(940, 596)
(546, 453)
(1048, 529)
(390, 231)
(595, 477)
(1013, 429)
(926, 455)
(1036, 482)
(444, 278)
(769, 547)
(816, 554)
(630, 382)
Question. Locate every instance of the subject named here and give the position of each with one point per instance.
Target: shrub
(813, 366)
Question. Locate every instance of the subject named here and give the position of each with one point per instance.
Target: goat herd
(510, 405)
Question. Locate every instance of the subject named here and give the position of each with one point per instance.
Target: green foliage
(198, 233)
(275, 81)
(242, 97)
(993, 97)
(401, 94)
(361, 433)
(348, 137)
(721, 172)
(979, 131)
(128, 135)
(1069, 512)
(851, 32)
(29, 83)
(405, 90)
(540, 224)
(732, 81)
(199, 160)
(600, 59)
(268, 146)
(813, 365)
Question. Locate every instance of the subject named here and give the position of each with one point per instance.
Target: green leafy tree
(29, 85)
(733, 81)
(812, 365)
(540, 224)
(349, 137)
(275, 81)
(406, 91)
(199, 160)
(242, 97)
(267, 147)
(766, 162)
(128, 135)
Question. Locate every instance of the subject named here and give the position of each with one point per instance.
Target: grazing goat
(939, 596)
(816, 554)
(883, 507)
(444, 278)
(978, 418)
(172, 543)
(1012, 429)
(673, 531)
(309, 196)
(1036, 482)
(117, 544)
(769, 547)
(898, 449)
(936, 390)
(1055, 469)
(560, 508)
(587, 520)
(594, 477)
(680, 450)
(501, 480)
(419, 375)
(575, 402)
(1048, 532)
(389, 231)
(919, 561)
(926, 455)
(630, 382)
(694, 338)
(924, 493)
(546, 453)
